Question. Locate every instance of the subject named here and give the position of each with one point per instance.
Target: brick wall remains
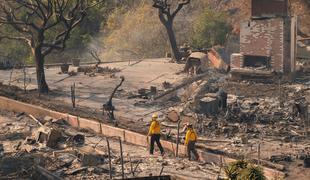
(236, 60)
(266, 38)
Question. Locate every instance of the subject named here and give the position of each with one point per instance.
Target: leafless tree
(166, 17)
(95, 55)
(45, 25)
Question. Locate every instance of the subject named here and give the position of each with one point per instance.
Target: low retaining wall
(125, 135)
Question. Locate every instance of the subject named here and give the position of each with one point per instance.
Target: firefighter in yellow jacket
(190, 140)
(154, 132)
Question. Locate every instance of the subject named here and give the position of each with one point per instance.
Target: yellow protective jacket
(191, 135)
(154, 128)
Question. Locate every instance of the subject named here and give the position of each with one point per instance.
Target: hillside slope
(138, 33)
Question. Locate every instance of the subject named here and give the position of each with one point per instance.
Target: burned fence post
(136, 167)
(162, 169)
(24, 73)
(306, 119)
(11, 74)
(73, 95)
(109, 154)
(131, 167)
(258, 153)
(122, 158)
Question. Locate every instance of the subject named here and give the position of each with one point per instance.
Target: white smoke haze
(137, 33)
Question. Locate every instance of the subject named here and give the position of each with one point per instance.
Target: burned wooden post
(258, 153)
(24, 73)
(73, 95)
(136, 167)
(162, 169)
(131, 167)
(108, 108)
(11, 73)
(306, 119)
(307, 123)
(122, 158)
(109, 154)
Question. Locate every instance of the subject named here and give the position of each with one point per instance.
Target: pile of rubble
(244, 118)
(47, 148)
(93, 70)
(248, 121)
(49, 145)
(143, 93)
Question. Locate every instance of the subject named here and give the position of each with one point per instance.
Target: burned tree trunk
(173, 41)
(166, 17)
(39, 60)
(108, 108)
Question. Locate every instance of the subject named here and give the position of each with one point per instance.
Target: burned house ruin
(267, 41)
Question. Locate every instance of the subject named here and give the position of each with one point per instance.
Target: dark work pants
(156, 138)
(192, 148)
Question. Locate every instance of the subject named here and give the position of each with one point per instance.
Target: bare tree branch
(48, 14)
(95, 55)
(164, 7)
(180, 6)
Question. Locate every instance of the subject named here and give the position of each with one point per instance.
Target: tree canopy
(53, 18)
(210, 29)
(45, 26)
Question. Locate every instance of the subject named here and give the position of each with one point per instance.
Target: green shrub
(232, 171)
(210, 29)
(252, 173)
(242, 170)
